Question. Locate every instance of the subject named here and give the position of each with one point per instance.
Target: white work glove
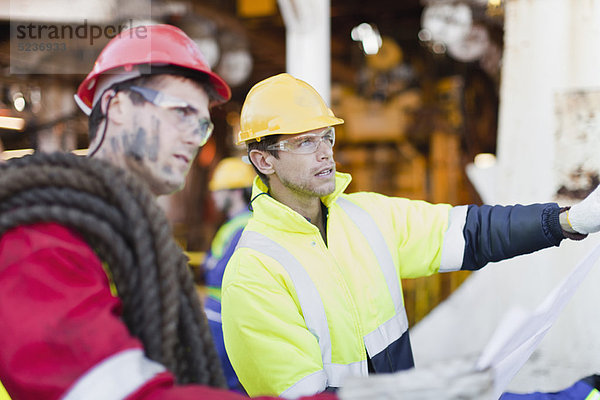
(584, 217)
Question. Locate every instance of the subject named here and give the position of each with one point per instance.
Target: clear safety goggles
(186, 116)
(307, 143)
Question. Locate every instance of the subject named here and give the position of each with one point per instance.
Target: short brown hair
(262, 146)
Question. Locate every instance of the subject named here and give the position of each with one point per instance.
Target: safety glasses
(307, 143)
(185, 116)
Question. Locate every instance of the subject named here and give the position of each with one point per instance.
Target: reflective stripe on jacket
(3, 393)
(300, 316)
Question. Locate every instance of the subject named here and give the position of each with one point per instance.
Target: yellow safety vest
(299, 314)
(3, 393)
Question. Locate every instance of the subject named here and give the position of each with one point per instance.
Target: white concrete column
(308, 48)
(549, 49)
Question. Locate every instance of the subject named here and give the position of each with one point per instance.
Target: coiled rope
(119, 218)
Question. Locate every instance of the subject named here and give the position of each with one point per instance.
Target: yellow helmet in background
(232, 173)
(283, 104)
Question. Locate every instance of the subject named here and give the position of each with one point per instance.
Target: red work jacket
(61, 335)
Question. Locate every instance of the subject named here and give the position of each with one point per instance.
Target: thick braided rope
(119, 218)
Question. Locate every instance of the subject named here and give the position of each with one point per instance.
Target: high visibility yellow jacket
(3, 393)
(300, 316)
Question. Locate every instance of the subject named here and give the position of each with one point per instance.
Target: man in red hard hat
(68, 330)
(158, 71)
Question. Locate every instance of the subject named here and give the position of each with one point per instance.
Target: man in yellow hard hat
(230, 186)
(312, 295)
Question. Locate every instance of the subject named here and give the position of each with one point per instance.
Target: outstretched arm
(494, 233)
(497, 233)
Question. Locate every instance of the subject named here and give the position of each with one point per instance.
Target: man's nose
(325, 149)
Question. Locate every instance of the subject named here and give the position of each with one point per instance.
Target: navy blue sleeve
(214, 268)
(494, 233)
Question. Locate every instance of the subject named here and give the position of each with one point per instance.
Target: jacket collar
(271, 212)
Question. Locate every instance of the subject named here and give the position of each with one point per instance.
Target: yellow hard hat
(231, 173)
(283, 104)
(388, 56)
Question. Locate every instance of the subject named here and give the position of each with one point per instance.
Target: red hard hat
(156, 45)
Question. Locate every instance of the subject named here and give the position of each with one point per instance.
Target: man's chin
(326, 191)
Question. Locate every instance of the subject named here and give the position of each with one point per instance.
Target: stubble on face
(307, 186)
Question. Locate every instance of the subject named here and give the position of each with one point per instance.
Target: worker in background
(230, 186)
(312, 295)
(71, 327)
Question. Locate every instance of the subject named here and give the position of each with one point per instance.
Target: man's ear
(114, 106)
(263, 161)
